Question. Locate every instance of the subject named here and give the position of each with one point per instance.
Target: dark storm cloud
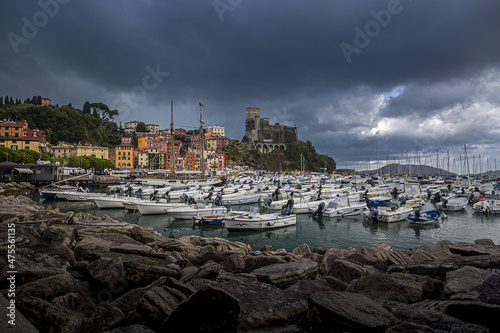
(427, 76)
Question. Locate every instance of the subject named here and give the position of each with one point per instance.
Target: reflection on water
(325, 232)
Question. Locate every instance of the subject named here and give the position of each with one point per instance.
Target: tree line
(25, 156)
(93, 123)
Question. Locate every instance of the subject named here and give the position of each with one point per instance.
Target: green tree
(11, 101)
(141, 127)
(38, 100)
(1, 101)
(86, 108)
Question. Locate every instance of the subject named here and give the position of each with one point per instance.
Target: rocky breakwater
(79, 273)
(13, 187)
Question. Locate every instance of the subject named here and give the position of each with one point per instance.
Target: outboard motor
(268, 202)
(191, 201)
(319, 194)
(319, 210)
(287, 208)
(152, 196)
(276, 193)
(209, 196)
(183, 198)
(218, 200)
(394, 191)
(129, 190)
(266, 188)
(373, 216)
(403, 200)
(417, 215)
(445, 204)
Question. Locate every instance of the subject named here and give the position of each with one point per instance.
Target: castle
(267, 138)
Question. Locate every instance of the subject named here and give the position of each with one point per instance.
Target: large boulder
(424, 313)
(469, 249)
(489, 289)
(284, 275)
(104, 317)
(385, 286)
(109, 272)
(255, 260)
(90, 245)
(210, 309)
(433, 270)
(464, 279)
(262, 304)
(342, 311)
(346, 270)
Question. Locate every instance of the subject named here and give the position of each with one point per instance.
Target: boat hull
(260, 222)
(189, 213)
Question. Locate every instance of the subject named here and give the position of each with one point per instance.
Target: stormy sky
(363, 80)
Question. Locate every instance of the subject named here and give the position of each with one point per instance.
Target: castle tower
(252, 123)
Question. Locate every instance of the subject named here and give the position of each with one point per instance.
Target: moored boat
(389, 214)
(425, 218)
(452, 205)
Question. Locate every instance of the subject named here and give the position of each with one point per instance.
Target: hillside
(408, 169)
(66, 123)
(241, 153)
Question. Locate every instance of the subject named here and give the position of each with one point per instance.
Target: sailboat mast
(172, 165)
(202, 144)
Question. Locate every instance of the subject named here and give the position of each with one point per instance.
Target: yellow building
(16, 144)
(216, 130)
(99, 152)
(66, 149)
(124, 157)
(211, 144)
(63, 150)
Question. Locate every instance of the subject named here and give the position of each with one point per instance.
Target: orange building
(124, 157)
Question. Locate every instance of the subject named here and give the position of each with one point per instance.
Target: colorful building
(124, 157)
(216, 130)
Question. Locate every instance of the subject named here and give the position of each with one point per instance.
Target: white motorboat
(112, 201)
(157, 207)
(82, 196)
(487, 207)
(256, 221)
(240, 199)
(413, 203)
(388, 214)
(185, 213)
(452, 205)
(340, 207)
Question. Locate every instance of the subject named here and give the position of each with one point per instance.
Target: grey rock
(109, 272)
(468, 249)
(215, 311)
(346, 270)
(433, 270)
(384, 286)
(464, 279)
(489, 290)
(284, 275)
(301, 250)
(425, 313)
(104, 317)
(348, 312)
(262, 304)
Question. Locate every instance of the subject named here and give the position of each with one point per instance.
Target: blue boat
(425, 218)
(208, 219)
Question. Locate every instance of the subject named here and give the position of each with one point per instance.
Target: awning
(23, 170)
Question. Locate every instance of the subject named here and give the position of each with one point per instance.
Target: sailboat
(203, 181)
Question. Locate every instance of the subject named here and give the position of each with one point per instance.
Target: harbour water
(462, 226)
